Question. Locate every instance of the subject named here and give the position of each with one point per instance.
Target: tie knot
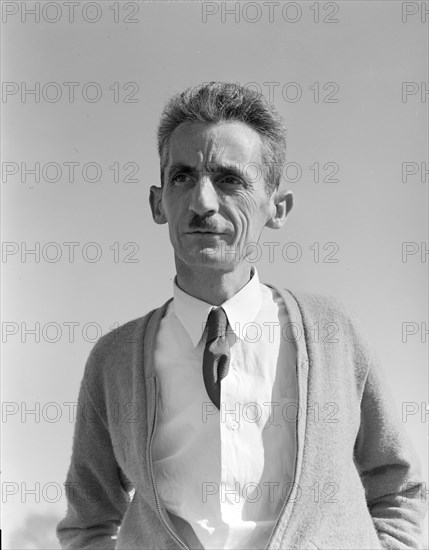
(216, 324)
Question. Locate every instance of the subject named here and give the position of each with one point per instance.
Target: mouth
(205, 233)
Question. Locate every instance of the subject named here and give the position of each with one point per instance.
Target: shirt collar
(242, 308)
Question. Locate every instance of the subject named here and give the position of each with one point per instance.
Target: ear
(282, 202)
(155, 201)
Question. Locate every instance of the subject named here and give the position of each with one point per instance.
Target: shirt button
(233, 425)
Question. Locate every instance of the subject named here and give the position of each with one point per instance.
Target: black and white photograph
(214, 275)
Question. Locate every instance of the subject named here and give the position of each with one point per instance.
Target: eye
(231, 180)
(181, 177)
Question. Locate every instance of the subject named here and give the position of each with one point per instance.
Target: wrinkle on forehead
(202, 145)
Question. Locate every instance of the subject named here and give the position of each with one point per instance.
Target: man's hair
(216, 102)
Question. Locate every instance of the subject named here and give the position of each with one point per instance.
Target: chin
(210, 257)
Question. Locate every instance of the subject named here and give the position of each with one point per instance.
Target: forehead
(196, 144)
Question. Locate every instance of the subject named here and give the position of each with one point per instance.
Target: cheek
(173, 217)
(171, 207)
(247, 214)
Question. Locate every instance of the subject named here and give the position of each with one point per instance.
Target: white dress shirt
(226, 472)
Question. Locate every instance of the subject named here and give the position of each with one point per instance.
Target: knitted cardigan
(357, 481)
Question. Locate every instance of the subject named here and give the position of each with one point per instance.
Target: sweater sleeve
(389, 467)
(96, 488)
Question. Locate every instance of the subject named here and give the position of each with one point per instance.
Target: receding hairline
(208, 125)
(215, 103)
(225, 122)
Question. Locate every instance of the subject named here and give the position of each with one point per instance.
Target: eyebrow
(210, 168)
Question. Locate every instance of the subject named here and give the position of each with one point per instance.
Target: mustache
(203, 222)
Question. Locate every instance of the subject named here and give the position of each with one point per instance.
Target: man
(221, 420)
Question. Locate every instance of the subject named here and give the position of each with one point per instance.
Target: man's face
(213, 198)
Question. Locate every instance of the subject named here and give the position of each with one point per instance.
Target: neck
(213, 286)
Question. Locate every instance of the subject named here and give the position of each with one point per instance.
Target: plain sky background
(369, 213)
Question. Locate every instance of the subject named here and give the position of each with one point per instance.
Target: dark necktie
(216, 354)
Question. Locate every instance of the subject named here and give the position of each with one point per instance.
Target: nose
(204, 199)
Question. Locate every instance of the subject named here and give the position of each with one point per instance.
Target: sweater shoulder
(120, 337)
(116, 355)
(331, 316)
(322, 306)
(317, 307)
